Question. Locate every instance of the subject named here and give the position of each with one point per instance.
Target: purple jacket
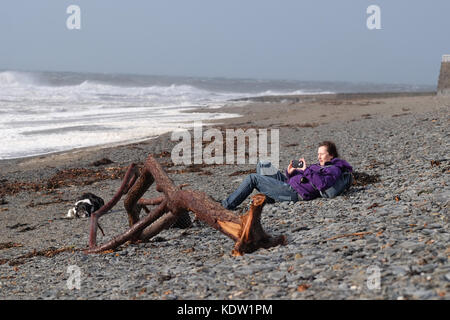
(321, 177)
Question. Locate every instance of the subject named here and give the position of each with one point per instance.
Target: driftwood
(245, 230)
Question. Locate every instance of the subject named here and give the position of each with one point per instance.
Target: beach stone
(344, 287)
(277, 276)
(412, 246)
(421, 294)
(271, 293)
(400, 270)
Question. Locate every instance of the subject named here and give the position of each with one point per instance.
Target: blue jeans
(274, 187)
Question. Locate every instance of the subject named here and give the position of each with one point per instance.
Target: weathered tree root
(245, 230)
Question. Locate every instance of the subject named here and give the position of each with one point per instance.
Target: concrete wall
(444, 76)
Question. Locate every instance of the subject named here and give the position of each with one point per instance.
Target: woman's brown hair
(331, 148)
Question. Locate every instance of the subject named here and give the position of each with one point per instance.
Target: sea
(47, 112)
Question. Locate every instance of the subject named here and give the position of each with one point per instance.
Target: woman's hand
(290, 168)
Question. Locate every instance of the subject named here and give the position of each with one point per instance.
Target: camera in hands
(297, 164)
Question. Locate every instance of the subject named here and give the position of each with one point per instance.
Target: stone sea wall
(444, 77)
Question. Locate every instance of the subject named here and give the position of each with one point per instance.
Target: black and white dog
(85, 205)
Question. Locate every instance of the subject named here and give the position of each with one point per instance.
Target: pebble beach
(386, 238)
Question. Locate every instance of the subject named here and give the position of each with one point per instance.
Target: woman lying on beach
(328, 178)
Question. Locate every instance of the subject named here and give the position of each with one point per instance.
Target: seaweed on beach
(301, 125)
(102, 162)
(193, 168)
(49, 253)
(241, 172)
(363, 179)
(63, 178)
(291, 145)
(7, 245)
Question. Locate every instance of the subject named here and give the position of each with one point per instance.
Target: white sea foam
(12, 78)
(37, 118)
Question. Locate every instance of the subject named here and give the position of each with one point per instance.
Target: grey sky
(283, 39)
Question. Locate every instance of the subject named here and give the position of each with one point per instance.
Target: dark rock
(102, 162)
